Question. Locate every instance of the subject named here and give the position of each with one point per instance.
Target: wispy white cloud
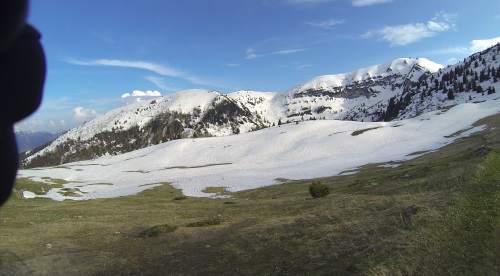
(252, 55)
(442, 22)
(153, 67)
(449, 51)
(198, 80)
(402, 35)
(483, 44)
(355, 3)
(160, 83)
(287, 52)
(57, 104)
(364, 3)
(157, 68)
(328, 24)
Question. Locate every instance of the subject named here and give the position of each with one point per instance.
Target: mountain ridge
(401, 88)
(403, 66)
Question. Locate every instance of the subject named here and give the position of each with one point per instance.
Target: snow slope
(247, 161)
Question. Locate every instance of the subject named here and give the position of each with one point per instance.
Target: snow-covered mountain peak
(406, 65)
(186, 100)
(401, 67)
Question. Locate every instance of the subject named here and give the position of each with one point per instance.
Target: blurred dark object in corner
(22, 76)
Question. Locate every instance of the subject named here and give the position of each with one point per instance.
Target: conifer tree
(479, 89)
(491, 90)
(483, 76)
(451, 96)
(461, 87)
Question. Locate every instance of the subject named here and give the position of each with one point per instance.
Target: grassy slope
(436, 214)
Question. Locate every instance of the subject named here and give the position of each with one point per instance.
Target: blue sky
(100, 52)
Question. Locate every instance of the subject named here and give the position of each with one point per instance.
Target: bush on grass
(317, 190)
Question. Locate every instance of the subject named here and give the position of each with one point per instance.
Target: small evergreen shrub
(316, 189)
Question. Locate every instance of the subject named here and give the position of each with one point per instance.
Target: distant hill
(27, 140)
(399, 89)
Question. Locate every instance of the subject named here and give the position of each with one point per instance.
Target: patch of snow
(388, 165)
(28, 194)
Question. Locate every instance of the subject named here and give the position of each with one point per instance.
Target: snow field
(251, 160)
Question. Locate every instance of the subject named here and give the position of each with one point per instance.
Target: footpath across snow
(293, 151)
